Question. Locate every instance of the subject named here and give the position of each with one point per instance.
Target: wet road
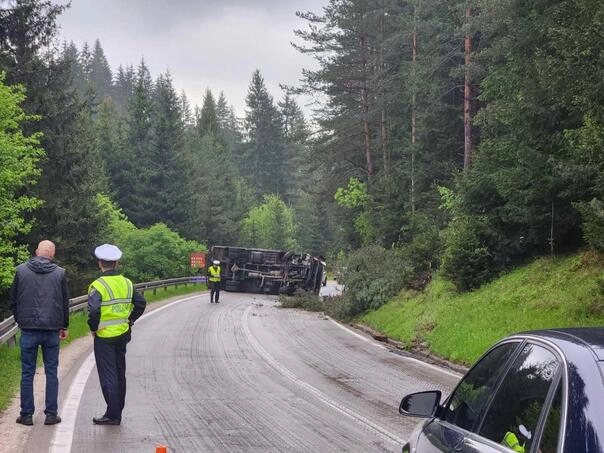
(247, 376)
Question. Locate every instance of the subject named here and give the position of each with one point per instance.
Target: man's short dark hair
(108, 264)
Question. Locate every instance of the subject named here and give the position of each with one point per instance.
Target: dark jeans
(110, 356)
(214, 289)
(29, 342)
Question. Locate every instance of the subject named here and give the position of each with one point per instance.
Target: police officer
(511, 441)
(214, 280)
(113, 306)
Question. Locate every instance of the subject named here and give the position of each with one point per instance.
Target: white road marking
(381, 432)
(379, 345)
(63, 435)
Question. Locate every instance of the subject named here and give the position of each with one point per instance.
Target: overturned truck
(267, 271)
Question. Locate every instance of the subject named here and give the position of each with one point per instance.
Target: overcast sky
(214, 44)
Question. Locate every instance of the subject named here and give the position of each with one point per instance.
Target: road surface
(244, 376)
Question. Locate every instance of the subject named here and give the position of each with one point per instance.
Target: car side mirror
(420, 404)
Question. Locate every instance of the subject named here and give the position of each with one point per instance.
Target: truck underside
(267, 271)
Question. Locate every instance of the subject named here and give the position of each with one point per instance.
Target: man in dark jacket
(39, 299)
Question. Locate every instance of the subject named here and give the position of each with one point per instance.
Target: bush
(155, 253)
(593, 222)
(373, 275)
(466, 260)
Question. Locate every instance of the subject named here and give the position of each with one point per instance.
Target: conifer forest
(464, 137)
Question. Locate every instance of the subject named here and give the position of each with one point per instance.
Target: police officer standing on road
(214, 281)
(113, 306)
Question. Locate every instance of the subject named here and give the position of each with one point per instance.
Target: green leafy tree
(19, 157)
(72, 172)
(156, 253)
(270, 225)
(150, 253)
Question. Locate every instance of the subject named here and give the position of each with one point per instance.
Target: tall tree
(19, 157)
(135, 163)
(228, 124)
(207, 122)
(72, 173)
(100, 73)
(264, 151)
(166, 166)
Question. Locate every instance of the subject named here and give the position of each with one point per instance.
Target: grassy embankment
(10, 364)
(550, 292)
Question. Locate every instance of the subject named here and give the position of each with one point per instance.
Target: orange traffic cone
(161, 449)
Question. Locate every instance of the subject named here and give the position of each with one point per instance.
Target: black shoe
(52, 419)
(25, 420)
(104, 420)
(216, 301)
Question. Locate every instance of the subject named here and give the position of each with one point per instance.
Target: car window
(512, 417)
(551, 430)
(465, 405)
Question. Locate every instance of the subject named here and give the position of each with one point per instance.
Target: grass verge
(10, 358)
(548, 293)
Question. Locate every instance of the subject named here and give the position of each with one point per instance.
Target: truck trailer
(267, 271)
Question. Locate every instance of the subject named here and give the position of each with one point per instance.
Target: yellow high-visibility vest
(116, 304)
(214, 272)
(510, 440)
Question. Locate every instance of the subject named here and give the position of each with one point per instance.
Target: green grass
(550, 292)
(10, 359)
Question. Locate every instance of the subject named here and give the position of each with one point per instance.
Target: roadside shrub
(155, 253)
(466, 261)
(373, 276)
(592, 213)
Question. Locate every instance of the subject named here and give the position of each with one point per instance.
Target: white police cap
(216, 262)
(108, 252)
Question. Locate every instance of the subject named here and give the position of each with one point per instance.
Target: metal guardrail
(8, 327)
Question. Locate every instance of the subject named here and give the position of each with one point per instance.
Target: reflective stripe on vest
(511, 441)
(214, 273)
(116, 304)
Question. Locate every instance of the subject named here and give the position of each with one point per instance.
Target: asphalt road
(247, 376)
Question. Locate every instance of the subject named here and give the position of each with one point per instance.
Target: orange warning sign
(198, 260)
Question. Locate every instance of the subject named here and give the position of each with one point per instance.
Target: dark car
(540, 391)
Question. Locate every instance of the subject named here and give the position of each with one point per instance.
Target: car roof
(588, 337)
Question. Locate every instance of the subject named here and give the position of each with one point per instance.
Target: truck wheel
(232, 285)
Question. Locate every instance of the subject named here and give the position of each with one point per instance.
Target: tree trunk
(467, 102)
(365, 106)
(413, 112)
(383, 135)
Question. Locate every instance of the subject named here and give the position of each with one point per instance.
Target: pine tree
(136, 164)
(100, 73)
(208, 121)
(166, 192)
(229, 130)
(264, 151)
(124, 88)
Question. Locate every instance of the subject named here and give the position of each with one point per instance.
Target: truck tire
(232, 285)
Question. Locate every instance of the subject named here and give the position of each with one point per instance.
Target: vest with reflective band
(214, 273)
(116, 304)
(511, 441)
